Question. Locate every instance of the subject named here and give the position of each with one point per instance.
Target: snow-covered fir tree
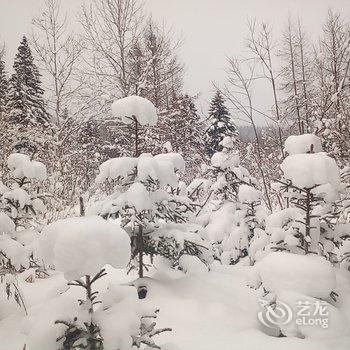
(232, 211)
(92, 322)
(220, 124)
(182, 126)
(311, 186)
(27, 120)
(21, 205)
(3, 103)
(3, 86)
(146, 198)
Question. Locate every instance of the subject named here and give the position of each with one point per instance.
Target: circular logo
(278, 315)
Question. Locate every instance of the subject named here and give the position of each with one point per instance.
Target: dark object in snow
(142, 292)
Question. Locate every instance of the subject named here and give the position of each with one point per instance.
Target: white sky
(212, 29)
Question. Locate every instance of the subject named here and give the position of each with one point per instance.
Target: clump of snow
(297, 144)
(227, 142)
(83, 246)
(192, 265)
(310, 275)
(7, 226)
(116, 168)
(162, 167)
(14, 251)
(119, 317)
(308, 170)
(248, 194)
(136, 197)
(224, 160)
(22, 166)
(131, 107)
(18, 195)
(220, 222)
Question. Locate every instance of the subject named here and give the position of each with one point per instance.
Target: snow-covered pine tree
(183, 128)
(311, 186)
(220, 124)
(21, 198)
(28, 122)
(144, 195)
(93, 322)
(236, 212)
(20, 203)
(3, 86)
(3, 102)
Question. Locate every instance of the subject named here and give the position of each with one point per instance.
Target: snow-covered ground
(206, 310)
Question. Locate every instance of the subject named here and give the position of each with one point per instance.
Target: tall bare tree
(262, 48)
(332, 97)
(296, 73)
(59, 52)
(238, 91)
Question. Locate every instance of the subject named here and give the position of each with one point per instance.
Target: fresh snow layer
(297, 144)
(308, 170)
(83, 246)
(206, 311)
(131, 107)
(310, 275)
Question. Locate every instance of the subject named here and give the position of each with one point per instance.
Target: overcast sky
(212, 29)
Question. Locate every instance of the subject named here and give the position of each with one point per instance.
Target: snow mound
(297, 144)
(83, 246)
(22, 166)
(131, 107)
(310, 275)
(308, 170)
(332, 324)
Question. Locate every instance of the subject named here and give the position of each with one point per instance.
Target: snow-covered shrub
(235, 212)
(311, 186)
(20, 201)
(80, 248)
(147, 197)
(227, 172)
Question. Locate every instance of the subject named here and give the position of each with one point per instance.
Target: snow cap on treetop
(306, 143)
(309, 170)
(131, 107)
(227, 142)
(83, 246)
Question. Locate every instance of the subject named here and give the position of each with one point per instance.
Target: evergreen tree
(3, 87)
(27, 116)
(220, 125)
(182, 127)
(3, 101)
